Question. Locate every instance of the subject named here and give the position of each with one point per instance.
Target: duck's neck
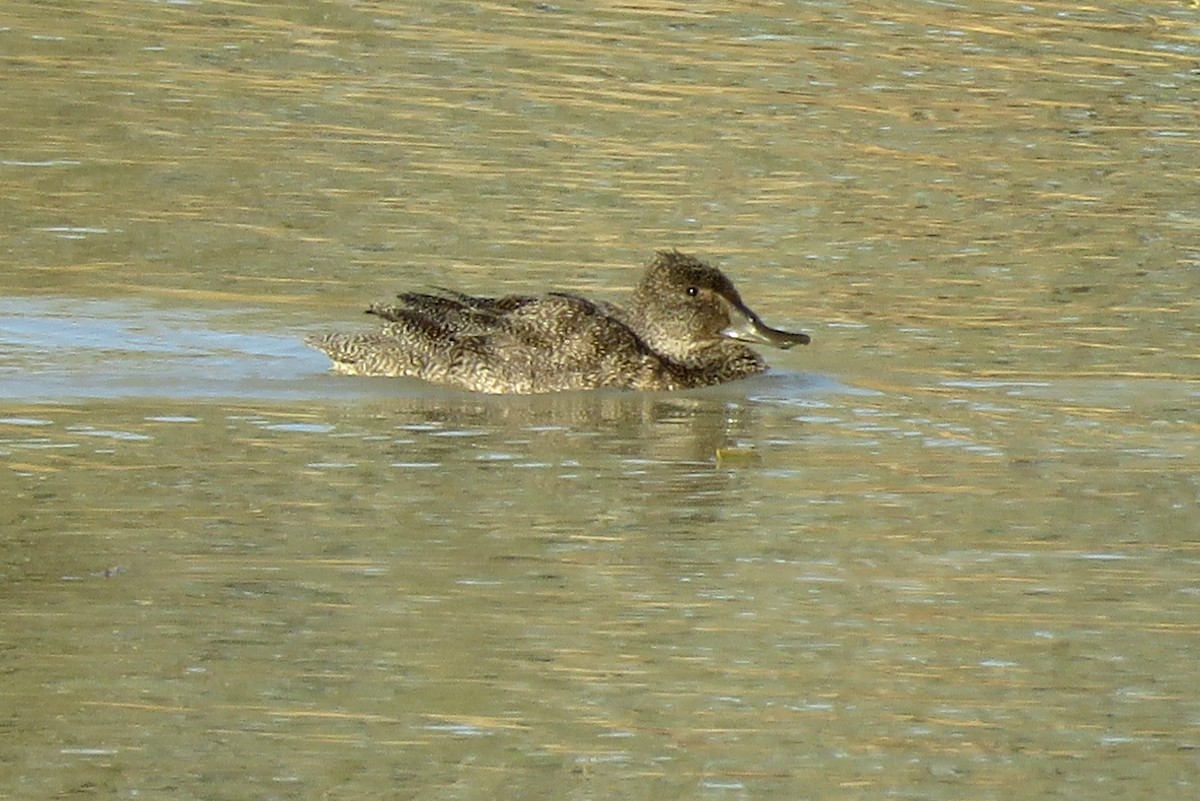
(717, 363)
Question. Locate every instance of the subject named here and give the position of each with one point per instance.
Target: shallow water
(949, 550)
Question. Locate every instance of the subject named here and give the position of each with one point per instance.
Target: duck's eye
(693, 291)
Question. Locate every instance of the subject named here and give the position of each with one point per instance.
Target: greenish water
(950, 550)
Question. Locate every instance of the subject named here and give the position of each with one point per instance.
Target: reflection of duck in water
(684, 329)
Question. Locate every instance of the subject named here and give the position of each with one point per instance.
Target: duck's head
(684, 305)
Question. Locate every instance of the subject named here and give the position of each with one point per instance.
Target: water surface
(949, 550)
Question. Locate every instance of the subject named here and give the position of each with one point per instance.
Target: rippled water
(949, 550)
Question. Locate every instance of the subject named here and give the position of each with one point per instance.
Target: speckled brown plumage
(681, 330)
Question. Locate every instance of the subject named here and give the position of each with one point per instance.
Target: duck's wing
(565, 341)
(501, 305)
(584, 319)
(453, 311)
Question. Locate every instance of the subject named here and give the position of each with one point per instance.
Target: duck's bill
(744, 325)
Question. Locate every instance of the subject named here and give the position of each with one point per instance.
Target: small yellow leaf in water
(737, 457)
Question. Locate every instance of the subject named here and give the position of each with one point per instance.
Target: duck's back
(512, 344)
